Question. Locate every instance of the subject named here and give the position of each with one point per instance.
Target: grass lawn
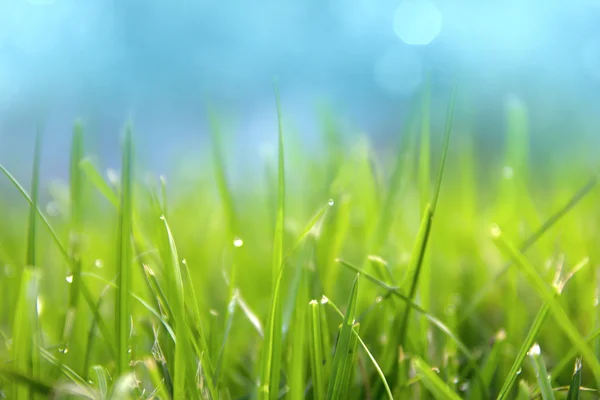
(429, 271)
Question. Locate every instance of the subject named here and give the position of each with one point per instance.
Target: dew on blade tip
(495, 231)
(535, 350)
(238, 242)
(331, 202)
(69, 278)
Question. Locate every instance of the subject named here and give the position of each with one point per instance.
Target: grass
(207, 288)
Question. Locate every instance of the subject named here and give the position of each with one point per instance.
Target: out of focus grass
(425, 272)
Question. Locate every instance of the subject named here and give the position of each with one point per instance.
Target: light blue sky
(107, 60)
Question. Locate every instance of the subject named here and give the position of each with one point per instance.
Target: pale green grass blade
(523, 391)
(176, 290)
(431, 380)
(98, 181)
(124, 257)
(316, 351)
(102, 380)
(23, 332)
(541, 372)
(574, 391)
(297, 337)
(366, 349)
(342, 348)
(160, 388)
(271, 357)
(562, 319)
(581, 194)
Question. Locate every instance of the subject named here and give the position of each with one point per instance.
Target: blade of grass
(124, 269)
(576, 382)
(434, 320)
(20, 378)
(271, 358)
(342, 348)
(529, 242)
(371, 357)
(541, 372)
(432, 381)
(562, 319)
(316, 350)
(428, 215)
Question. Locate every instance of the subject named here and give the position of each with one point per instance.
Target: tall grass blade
(341, 356)
(428, 215)
(124, 256)
(316, 350)
(271, 358)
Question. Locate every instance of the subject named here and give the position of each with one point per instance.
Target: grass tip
(313, 302)
(324, 300)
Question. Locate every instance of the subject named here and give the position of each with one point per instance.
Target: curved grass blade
(341, 357)
(64, 253)
(576, 382)
(541, 372)
(373, 360)
(562, 319)
(98, 181)
(35, 385)
(432, 381)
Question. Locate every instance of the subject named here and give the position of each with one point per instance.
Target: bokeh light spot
(417, 22)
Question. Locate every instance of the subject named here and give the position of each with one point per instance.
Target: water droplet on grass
(331, 202)
(238, 242)
(98, 263)
(69, 278)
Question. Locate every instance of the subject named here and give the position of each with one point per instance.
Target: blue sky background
(105, 61)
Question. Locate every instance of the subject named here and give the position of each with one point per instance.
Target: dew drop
(238, 242)
(69, 278)
(464, 387)
(98, 263)
(519, 371)
(63, 350)
(331, 202)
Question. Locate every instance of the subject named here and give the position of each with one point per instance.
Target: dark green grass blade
(564, 362)
(529, 242)
(562, 319)
(436, 386)
(271, 358)
(428, 215)
(576, 382)
(541, 372)
(341, 356)
(124, 256)
(28, 381)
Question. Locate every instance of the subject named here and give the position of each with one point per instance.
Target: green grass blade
(518, 362)
(271, 358)
(388, 391)
(92, 175)
(576, 382)
(581, 194)
(20, 378)
(562, 319)
(316, 350)
(436, 386)
(124, 256)
(541, 372)
(427, 221)
(342, 348)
